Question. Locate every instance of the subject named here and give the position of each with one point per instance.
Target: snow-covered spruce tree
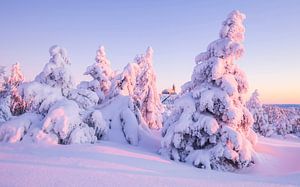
(211, 127)
(56, 72)
(17, 104)
(5, 113)
(102, 75)
(261, 124)
(146, 91)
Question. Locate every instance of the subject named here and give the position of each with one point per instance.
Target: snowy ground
(111, 164)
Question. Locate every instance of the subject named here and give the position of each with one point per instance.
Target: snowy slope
(112, 164)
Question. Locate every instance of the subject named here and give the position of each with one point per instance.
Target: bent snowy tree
(146, 91)
(210, 126)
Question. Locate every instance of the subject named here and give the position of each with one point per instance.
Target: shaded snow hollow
(114, 164)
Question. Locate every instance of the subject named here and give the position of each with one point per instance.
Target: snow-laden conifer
(210, 126)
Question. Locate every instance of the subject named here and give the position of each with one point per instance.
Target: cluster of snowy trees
(209, 124)
(283, 120)
(271, 119)
(10, 101)
(52, 109)
(261, 124)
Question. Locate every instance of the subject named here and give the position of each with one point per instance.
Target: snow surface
(112, 164)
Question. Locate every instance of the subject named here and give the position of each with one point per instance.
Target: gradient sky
(177, 31)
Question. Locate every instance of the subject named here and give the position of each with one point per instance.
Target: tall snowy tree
(5, 113)
(146, 91)
(210, 126)
(260, 124)
(102, 75)
(138, 80)
(56, 72)
(17, 104)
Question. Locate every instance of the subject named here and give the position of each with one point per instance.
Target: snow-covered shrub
(36, 135)
(130, 126)
(63, 118)
(124, 120)
(56, 72)
(84, 98)
(210, 126)
(95, 120)
(39, 97)
(14, 130)
(5, 113)
(82, 134)
(261, 124)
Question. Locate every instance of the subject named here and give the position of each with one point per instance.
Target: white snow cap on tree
(56, 72)
(261, 124)
(229, 44)
(210, 126)
(104, 62)
(16, 76)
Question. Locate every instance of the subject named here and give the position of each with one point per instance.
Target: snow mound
(14, 130)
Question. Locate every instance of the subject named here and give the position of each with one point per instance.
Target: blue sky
(177, 31)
